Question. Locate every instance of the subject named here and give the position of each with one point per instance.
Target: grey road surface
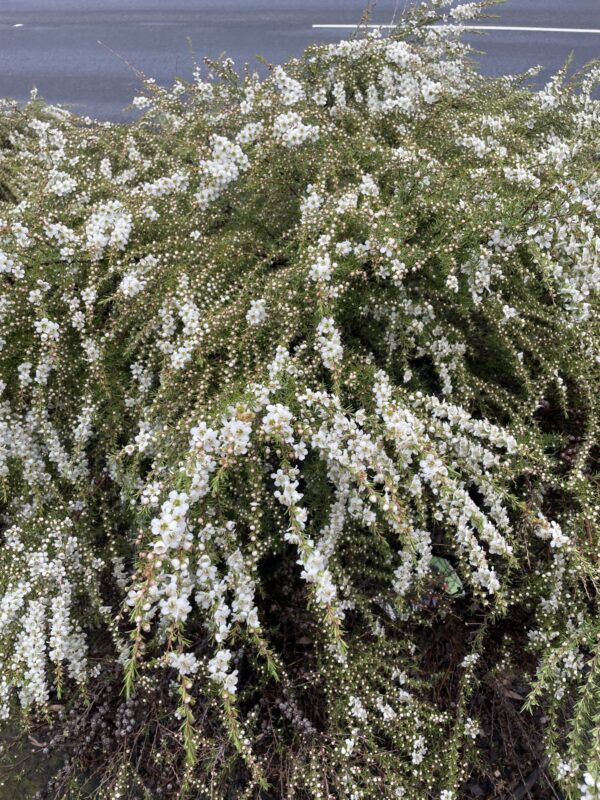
(54, 44)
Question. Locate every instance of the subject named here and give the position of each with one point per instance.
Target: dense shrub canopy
(299, 428)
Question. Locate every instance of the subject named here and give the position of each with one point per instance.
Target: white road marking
(18, 25)
(485, 28)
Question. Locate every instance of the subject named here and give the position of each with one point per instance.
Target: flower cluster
(291, 131)
(224, 166)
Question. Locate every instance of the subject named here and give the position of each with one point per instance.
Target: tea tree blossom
(291, 90)
(47, 330)
(298, 383)
(61, 183)
(290, 130)
(184, 663)
(257, 313)
(320, 270)
(109, 226)
(224, 166)
(329, 343)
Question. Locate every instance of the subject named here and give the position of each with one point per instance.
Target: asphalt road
(54, 44)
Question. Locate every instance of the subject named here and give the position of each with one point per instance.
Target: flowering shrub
(299, 428)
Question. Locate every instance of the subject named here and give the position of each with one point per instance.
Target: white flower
(175, 609)
(357, 709)
(204, 438)
(176, 183)
(431, 91)
(132, 284)
(300, 451)
(291, 91)
(508, 312)
(277, 422)
(10, 266)
(109, 226)
(218, 666)
(464, 12)
(249, 133)
(47, 330)
(320, 270)
(257, 313)
(141, 102)
(471, 728)
(343, 248)
(311, 204)
(60, 183)
(228, 161)
(287, 492)
(290, 130)
(368, 187)
(24, 371)
(552, 531)
(230, 682)
(184, 663)
(235, 435)
(419, 750)
(590, 787)
(150, 213)
(329, 343)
